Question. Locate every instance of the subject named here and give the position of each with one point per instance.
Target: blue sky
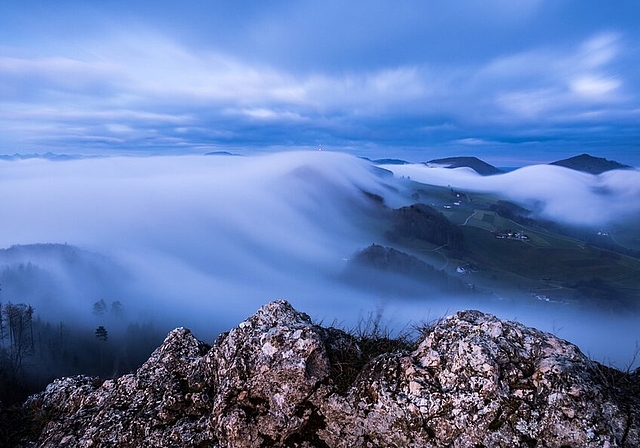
(508, 81)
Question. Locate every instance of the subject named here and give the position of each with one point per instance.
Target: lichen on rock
(473, 380)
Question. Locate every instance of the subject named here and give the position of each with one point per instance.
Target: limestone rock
(473, 380)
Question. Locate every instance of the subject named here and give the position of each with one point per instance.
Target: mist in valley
(203, 241)
(552, 192)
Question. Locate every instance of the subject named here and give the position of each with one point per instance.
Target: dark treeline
(34, 351)
(422, 222)
(385, 269)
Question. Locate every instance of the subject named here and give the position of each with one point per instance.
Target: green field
(565, 268)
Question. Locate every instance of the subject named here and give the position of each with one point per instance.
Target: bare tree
(2, 327)
(18, 319)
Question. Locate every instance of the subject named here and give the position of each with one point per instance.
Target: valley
(516, 257)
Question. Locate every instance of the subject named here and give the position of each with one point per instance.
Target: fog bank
(201, 235)
(203, 241)
(552, 192)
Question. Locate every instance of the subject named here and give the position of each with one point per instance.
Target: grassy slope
(561, 267)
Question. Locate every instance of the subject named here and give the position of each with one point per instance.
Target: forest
(422, 222)
(34, 351)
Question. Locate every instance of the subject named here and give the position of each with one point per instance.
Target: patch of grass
(624, 381)
(561, 259)
(489, 217)
(350, 350)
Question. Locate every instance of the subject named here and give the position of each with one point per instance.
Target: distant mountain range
(388, 161)
(48, 156)
(584, 162)
(589, 164)
(221, 153)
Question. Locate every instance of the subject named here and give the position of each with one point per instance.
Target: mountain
(390, 162)
(479, 166)
(279, 380)
(221, 153)
(589, 164)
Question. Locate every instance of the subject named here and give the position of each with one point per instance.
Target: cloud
(552, 192)
(203, 241)
(472, 141)
(562, 84)
(264, 114)
(411, 77)
(152, 90)
(215, 227)
(594, 86)
(599, 51)
(37, 77)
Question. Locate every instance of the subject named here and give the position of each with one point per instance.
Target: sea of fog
(203, 241)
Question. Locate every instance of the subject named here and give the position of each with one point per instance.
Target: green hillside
(540, 263)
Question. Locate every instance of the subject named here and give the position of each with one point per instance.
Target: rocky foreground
(277, 380)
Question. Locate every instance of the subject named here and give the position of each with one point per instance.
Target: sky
(510, 82)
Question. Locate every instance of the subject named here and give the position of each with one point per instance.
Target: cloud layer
(552, 192)
(203, 241)
(217, 231)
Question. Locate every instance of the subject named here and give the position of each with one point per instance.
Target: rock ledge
(473, 381)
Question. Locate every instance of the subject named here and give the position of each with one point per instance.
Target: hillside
(390, 162)
(480, 166)
(589, 164)
(60, 278)
(421, 222)
(279, 380)
(384, 269)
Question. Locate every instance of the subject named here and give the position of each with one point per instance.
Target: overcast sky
(508, 81)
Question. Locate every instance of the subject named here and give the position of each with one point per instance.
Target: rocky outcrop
(472, 380)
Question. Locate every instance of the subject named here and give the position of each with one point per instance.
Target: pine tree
(101, 334)
(99, 308)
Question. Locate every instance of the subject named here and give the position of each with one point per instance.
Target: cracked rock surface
(473, 380)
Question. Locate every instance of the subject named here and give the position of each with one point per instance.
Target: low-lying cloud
(203, 241)
(201, 234)
(551, 192)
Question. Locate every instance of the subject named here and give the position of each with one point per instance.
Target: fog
(201, 236)
(203, 241)
(552, 192)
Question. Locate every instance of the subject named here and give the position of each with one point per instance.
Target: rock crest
(473, 380)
